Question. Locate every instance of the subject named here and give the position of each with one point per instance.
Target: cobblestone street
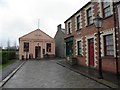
(48, 74)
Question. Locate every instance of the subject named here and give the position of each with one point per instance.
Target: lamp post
(98, 24)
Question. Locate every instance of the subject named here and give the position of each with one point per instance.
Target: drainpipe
(114, 15)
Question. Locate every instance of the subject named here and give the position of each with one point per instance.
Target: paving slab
(109, 79)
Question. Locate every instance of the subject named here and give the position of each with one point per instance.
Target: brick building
(81, 36)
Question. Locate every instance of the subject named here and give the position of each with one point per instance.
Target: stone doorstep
(101, 81)
(2, 83)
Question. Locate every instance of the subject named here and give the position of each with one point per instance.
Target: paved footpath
(48, 74)
(7, 70)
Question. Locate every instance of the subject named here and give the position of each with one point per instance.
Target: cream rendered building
(36, 45)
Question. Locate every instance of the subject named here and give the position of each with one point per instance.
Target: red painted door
(91, 52)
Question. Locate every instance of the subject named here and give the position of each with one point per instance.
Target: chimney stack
(59, 27)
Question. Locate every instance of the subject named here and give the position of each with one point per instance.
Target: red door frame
(91, 52)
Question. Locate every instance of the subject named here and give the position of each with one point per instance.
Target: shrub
(4, 57)
(7, 55)
(0, 57)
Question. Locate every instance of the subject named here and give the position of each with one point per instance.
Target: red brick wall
(109, 64)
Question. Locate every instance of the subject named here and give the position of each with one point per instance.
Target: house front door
(91, 52)
(69, 48)
(37, 52)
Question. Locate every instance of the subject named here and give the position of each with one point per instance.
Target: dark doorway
(69, 48)
(37, 52)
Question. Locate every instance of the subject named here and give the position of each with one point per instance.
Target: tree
(1, 46)
(15, 46)
(8, 44)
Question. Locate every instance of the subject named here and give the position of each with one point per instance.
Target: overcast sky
(19, 17)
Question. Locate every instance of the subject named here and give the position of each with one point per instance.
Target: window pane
(107, 11)
(78, 22)
(108, 53)
(111, 42)
(89, 16)
(79, 47)
(81, 51)
(106, 4)
(111, 52)
(89, 13)
(69, 30)
(109, 45)
(69, 25)
(90, 20)
(78, 18)
(108, 48)
(48, 47)
(26, 46)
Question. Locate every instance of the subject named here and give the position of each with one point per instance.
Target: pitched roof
(36, 33)
(63, 30)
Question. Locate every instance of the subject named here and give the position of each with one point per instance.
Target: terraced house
(82, 39)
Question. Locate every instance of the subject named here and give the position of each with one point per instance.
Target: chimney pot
(59, 27)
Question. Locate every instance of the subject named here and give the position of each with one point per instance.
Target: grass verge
(7, 64)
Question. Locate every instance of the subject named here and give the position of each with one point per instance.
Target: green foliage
(8, 55)
(0, 56)
(7, 64)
